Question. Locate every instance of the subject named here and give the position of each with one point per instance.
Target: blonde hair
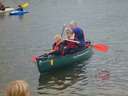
(58, 36)
(18, 88)
(68, 30)
(73, 23)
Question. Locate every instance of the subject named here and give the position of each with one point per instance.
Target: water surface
(104, 21)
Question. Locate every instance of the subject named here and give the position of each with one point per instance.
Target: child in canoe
(63, 47)
(57, 46)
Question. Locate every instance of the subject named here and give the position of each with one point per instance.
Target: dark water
(105, 21)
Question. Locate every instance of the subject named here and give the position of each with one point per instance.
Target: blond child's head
(69, 33)
(18, 88)
(57, 38)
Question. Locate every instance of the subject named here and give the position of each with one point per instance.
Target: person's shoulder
(78, 29)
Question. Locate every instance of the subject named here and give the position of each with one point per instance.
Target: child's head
(18, 88)
(19, 6)
(69, 33)
(57, 38)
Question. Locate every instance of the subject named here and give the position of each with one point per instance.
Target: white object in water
(6, 10)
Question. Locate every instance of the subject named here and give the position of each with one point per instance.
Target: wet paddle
(63, 30)
(34, 58)
(101, 47)
(23, 4)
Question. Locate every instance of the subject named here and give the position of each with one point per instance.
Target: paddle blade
(25, 5)
(101, 47)
(34, 58)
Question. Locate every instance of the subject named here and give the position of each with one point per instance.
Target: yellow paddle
(24, 5)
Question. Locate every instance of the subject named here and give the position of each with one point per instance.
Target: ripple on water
(57, 82)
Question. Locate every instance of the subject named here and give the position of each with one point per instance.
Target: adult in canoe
(2, 7)
(79, 33)
(71, 45)
(20, 8)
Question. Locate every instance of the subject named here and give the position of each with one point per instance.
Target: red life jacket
(71, 44)
(56, 47)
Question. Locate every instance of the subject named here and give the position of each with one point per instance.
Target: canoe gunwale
(17, 12)
(74, 54)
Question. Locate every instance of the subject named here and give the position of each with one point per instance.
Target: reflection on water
(21, 17)
(62, 79)
(103, 75)
(2, 16)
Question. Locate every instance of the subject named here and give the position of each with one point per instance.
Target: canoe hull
(61, 61)
(17, 12)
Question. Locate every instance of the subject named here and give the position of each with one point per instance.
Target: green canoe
(50, 63)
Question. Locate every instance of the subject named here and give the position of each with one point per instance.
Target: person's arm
(52, 50)
(73, 41)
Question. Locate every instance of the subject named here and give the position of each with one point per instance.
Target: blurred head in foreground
(18, 88)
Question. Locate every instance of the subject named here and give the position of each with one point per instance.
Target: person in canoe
(57, 47)
(79, 33)
(70, 44)
(2, 7)
(19, 8)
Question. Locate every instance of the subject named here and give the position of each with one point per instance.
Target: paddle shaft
(63, 31)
